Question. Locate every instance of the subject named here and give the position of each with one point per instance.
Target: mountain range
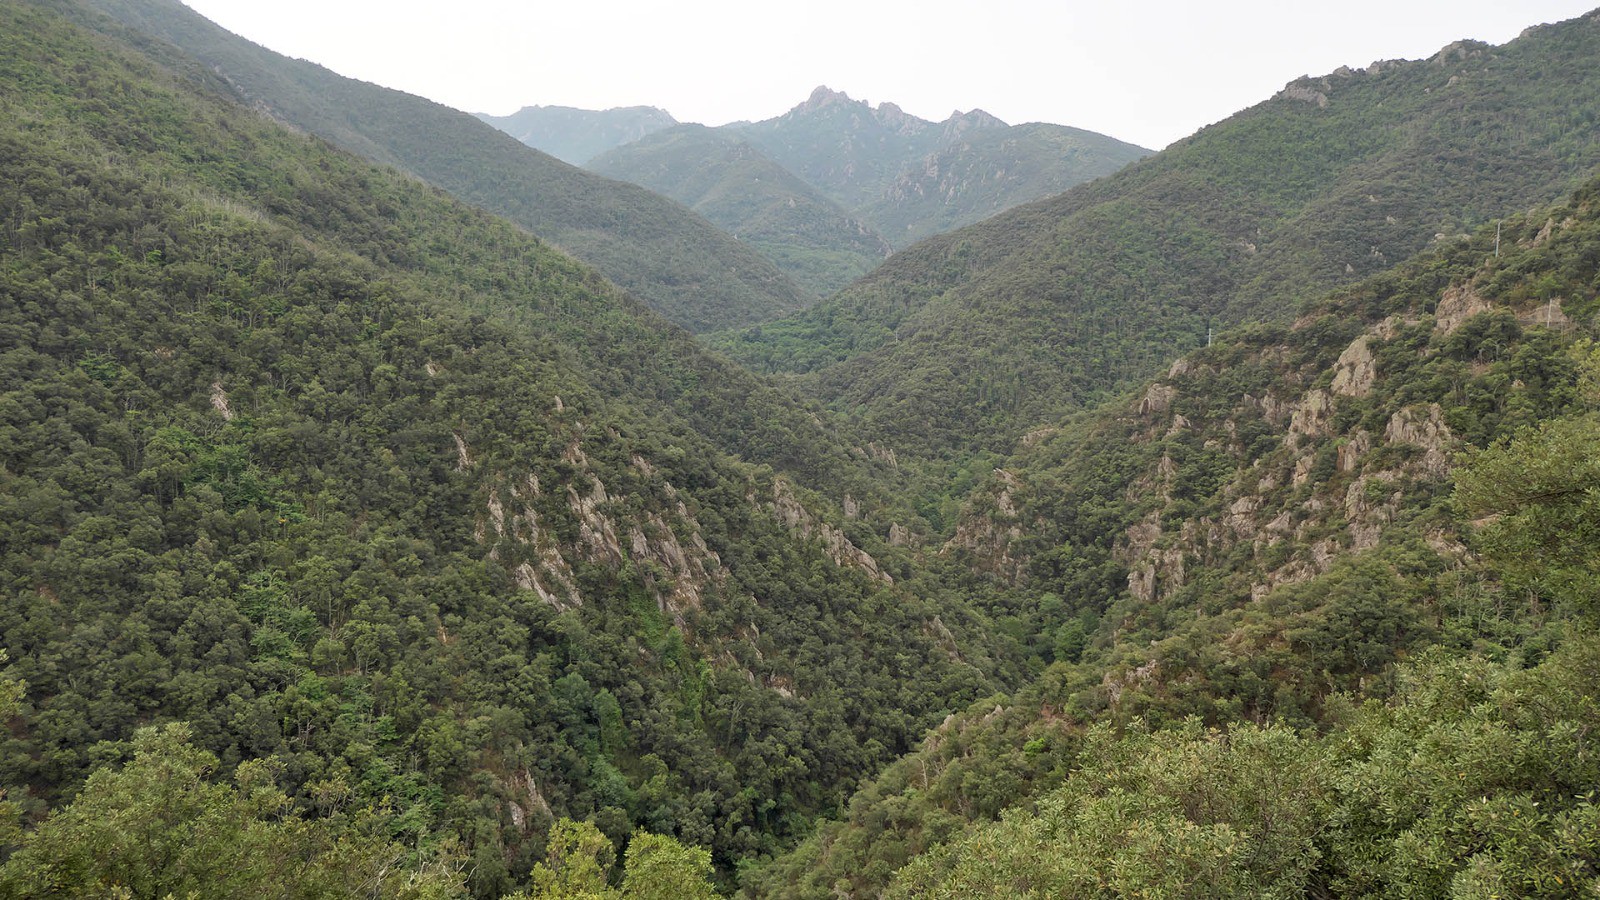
(829, 188)
(911, 178)
(1224, 526)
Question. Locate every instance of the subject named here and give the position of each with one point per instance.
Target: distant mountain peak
(823, 96)
(962, 122)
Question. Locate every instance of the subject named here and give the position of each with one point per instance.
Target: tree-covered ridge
(676, 261)
(1279, 521)
(737, 187)
(362, 482)
(981, 172)
(579, 135)
(973, 338)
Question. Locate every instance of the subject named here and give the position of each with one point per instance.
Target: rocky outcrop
(1424, 427)
(528, 808)
(219, 401)
(1157, 400)
(1549, 314)
(597, 534)
(1305, 94)
(542, 568)
(793, 515)
(1369, 505)
(990, 530)
(1352, 450)
(1308, 418)
(1456, 306)
(1356, 370)
(676, 576)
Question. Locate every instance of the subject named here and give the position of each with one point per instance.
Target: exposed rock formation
(789, 511)
(219, 401)
(1356, 370)
(989, 530)
(1456, 306)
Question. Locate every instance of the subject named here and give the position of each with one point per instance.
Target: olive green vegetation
(657, 868)
(682, 265)
(163, 826)
(1252, 539)
(1474, 779)
(970, 339)
(371, 487)
(579, 135)
(354, 541)
(738, 188)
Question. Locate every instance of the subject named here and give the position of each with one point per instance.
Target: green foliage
(283, 434)
(1181, 813)
(438, 544)
(1474, 780)
(162, 826)
(656, 867)
(578, 858)
(660, 868)
(1539, 494)
(1247, 501)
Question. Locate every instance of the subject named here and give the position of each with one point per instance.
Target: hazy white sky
(1148, 72)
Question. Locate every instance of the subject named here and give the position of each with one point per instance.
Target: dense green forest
(364, 484)
(354, 541)
(1274, 534)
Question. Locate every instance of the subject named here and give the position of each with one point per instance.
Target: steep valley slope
(1266, 532)
(359, 480)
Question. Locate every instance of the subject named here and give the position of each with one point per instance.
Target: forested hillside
(971, 339)
(978, 172)
(677, 262)
(356, 541)
(408, 517)
(737, 187)
(1271, 534)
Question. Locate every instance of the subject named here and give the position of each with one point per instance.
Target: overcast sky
(1147, 72)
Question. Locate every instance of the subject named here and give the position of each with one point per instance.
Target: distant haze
(1148, 73)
